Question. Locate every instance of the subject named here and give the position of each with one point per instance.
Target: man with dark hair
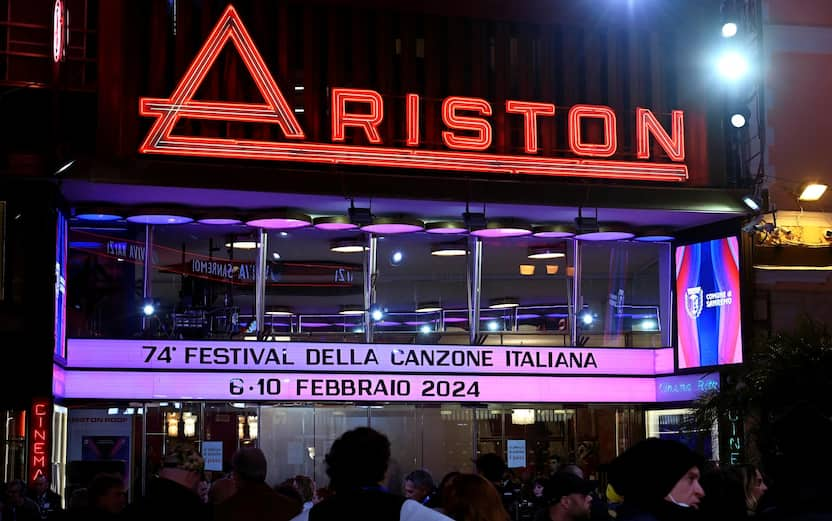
(18, 507)
(659, 480)
(493, 468)
(419, 486)
(48, 501)
(356, 465)
(173, 495)
(254, 499)
(568, 497)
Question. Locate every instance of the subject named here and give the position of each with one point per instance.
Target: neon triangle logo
(181, 104)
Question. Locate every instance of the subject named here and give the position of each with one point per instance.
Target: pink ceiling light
(393, 225)
(281, 220)
(555, 231)
(446, 227)
(505, 228)
(334, 223)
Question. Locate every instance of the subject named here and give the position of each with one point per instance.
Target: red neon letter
(180, 104)
(40, 409)
(647, 124)
(576, 114)
(412, 118)
(482, 140)
(530, 111)
(342, 119)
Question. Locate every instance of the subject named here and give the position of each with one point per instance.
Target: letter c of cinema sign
(39, 442)
(467, 135)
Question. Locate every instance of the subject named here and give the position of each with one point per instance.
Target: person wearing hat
(173, 494)
(659, 481)
(568, 498)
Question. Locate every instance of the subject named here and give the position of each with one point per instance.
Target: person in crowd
(356, 465)
(306, 488)
(106, 500)
(254, 499)
(470, 497)
(17, 506)
(659, 481)
(568, 498)
(436, 501)
(754, 485)
(419, 486)
(48, 501)
(173, 494)
(493, 468)
(724, 498)
(221, 490)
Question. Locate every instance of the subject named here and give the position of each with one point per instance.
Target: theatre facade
(508, 232)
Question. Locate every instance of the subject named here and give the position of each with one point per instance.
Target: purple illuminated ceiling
(77, 191)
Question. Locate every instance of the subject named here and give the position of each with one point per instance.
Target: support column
(147, 286)
(370, 274)
(474, 287)
(577, 301)
(260, 283)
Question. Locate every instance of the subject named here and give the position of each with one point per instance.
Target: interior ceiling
(78, 192)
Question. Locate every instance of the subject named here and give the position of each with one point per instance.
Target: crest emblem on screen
(693, 302)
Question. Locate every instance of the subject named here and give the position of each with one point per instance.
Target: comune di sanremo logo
(693, 302)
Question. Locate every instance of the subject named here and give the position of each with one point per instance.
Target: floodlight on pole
(732, 65)
(729, 30)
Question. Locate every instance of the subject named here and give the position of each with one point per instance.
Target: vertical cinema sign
(466, 137)
(39, 442)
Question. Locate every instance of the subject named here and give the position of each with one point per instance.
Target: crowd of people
(655, 480)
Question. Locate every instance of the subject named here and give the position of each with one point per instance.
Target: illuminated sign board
(39, 439)
(467, 135)
(362, 358)
(60, 287)
(708, 303)
(287, 371)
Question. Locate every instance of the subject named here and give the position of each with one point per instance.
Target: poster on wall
(708, 303)
(60, 287)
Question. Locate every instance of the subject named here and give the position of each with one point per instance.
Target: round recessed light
(243, 245)
(159, 219)
(334, 223)
(351, 310)
(655, 235)
(428, 307)
(348, 246)
(281, 220)
(454, 249)
(446, 227)
(547, 252)
(393, 225)
(219, 217)
(219, 221)
(503, 303)
(98, 217)
(607, 232)
(504, 228)
(554, 231)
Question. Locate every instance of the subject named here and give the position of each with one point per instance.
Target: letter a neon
(181, 104)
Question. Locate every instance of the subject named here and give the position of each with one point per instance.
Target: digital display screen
(708, 314)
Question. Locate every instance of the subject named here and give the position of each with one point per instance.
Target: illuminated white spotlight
(729, 30)
(732, 65)
(738, 120)
(586, 318)
(493, 325)
(425, 329)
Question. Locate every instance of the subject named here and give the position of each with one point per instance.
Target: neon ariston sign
(467, 135)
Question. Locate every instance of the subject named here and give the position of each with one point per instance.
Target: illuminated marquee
(468, 132)
(39, 460)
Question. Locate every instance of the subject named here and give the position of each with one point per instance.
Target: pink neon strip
(391, 358)
(334, 387)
